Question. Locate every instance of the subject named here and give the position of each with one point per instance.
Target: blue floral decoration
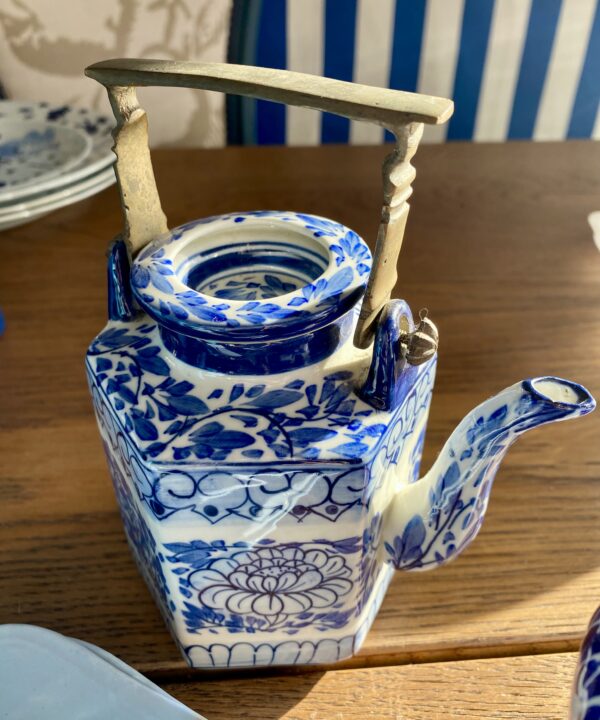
(265, 300)
(171, 419)
(270, 587)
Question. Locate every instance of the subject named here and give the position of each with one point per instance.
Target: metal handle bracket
(402, 113)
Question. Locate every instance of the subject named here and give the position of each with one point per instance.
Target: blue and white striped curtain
(516, 69)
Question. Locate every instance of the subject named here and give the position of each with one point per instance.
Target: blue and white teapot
(264, 438)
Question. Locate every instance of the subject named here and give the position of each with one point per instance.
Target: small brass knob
(422, 343)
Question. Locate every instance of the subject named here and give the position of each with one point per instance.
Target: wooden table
(498, 248)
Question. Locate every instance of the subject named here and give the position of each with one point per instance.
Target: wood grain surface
(497, 247)
(522, 688)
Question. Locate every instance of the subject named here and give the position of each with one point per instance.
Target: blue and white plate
(32, 152)
(63, 122)
(47, 202)
(57, 197)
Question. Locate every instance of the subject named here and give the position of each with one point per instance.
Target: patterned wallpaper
(45, 45)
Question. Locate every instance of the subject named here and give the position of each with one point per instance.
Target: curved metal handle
(400, 112)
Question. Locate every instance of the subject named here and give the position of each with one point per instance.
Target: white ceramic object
(585, 698)
(45, 675)
(55, 201)
(270, 487)
(33, 151)
(594, 222)
(93, 126)
(59, 195)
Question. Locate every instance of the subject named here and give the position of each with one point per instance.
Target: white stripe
(439, 55)
(502, 65)
(564, 70)
(305, 41)
(372, 57)
(596, 130)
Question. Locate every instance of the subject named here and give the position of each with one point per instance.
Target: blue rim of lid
(161, 271)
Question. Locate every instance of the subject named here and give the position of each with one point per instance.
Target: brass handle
(400, 112)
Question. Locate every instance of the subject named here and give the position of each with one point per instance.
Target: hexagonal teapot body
(254, 503)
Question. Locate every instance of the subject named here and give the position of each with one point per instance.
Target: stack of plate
(50, 157)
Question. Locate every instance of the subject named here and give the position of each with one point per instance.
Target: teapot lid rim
(164, 294)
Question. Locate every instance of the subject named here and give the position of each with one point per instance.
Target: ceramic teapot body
(264, 438)
(254, 502)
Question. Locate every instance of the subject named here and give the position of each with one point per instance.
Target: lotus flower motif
(274, 582)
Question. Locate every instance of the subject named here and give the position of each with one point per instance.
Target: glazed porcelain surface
(37, 151)
(266, 468)
(47, 201)
(86, 148)
(585, 702)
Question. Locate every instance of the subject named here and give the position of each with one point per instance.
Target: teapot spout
(431, 521)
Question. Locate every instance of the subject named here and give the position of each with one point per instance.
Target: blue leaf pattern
(309, 421)
(276, 398)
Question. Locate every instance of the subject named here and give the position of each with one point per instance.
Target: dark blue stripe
(271, 52)
(259, 358)
(241, 50)
(302, 269)
(278, 244)
(477, 19)
(120, 297)
(586, 102)
(541, 29)
(340, 31)
(406, 49)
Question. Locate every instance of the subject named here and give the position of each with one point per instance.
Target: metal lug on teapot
(422, 343)
(264, 439)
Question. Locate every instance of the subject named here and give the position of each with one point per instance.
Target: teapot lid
(252, 275)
